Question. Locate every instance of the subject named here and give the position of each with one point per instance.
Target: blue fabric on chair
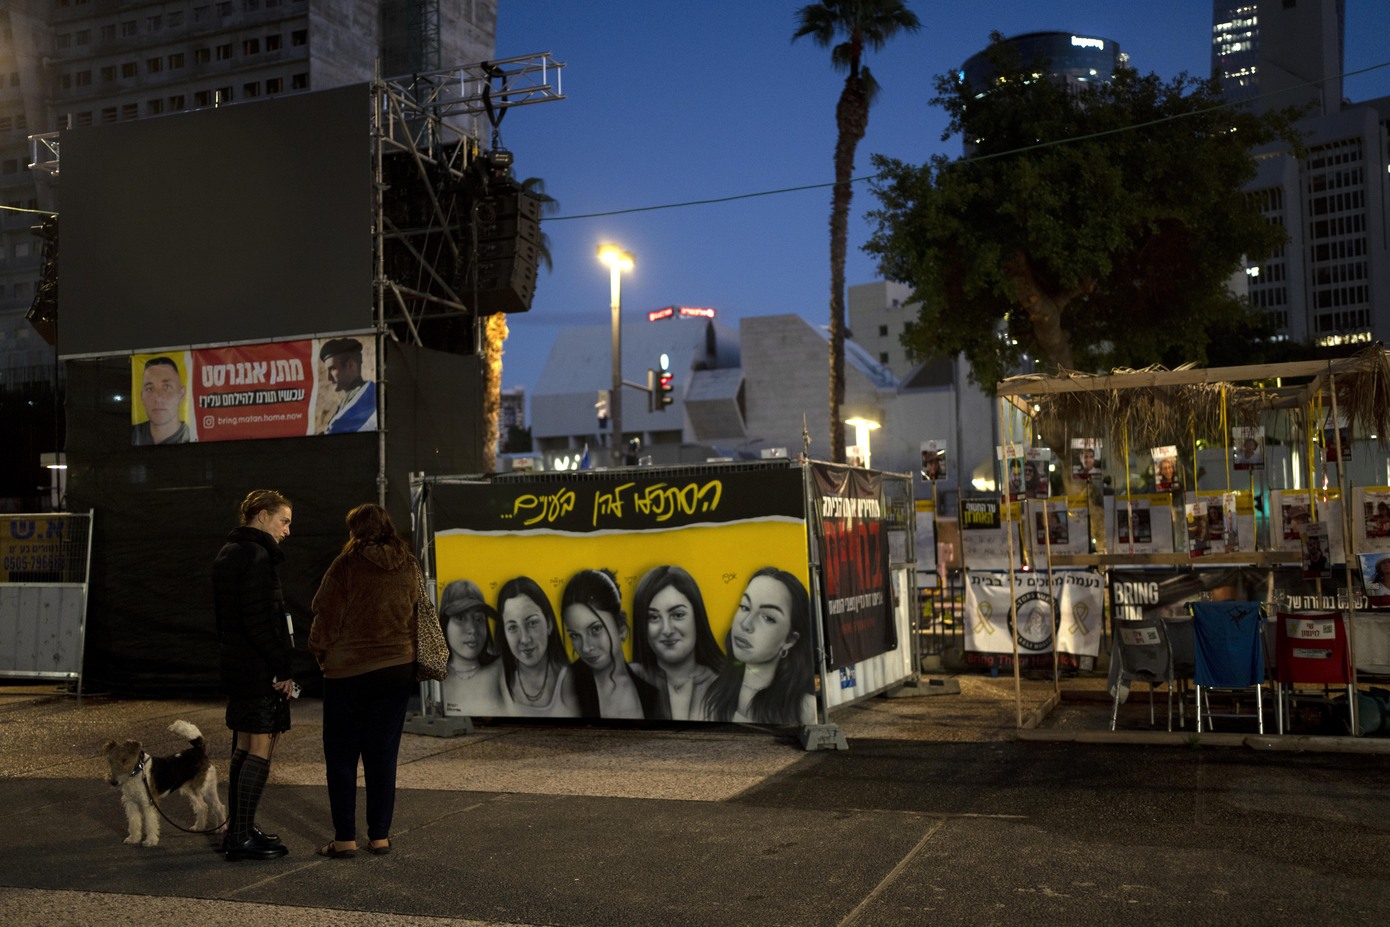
(1230, 653)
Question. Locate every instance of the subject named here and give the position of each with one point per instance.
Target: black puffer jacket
(253, 637)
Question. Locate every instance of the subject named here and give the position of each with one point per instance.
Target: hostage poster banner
(279, 389)
(627, 595)
(853, 538)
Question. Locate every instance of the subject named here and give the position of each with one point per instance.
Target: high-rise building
(1278, 53)
(1075, 59)
(1330, 284)
(71, 63)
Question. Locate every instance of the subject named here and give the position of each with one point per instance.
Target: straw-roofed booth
(1255, 492)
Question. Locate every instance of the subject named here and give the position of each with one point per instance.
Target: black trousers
(362, 720)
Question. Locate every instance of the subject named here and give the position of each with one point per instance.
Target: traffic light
(659, 385)
(664, 385)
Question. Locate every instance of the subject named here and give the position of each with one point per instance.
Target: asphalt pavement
(941, 811)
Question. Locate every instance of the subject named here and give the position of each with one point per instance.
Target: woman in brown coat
(363, 637)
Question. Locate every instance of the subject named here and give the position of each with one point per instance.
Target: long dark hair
(554, 647)
(707, 652)
(597, 590)
(369, 523)
(780, 702)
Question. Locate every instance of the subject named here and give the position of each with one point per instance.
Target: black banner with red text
(852, 532)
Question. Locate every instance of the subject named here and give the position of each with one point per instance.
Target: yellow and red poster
(270, 390)
(621, 595)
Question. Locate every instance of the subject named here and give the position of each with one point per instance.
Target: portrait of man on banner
(354, 406)
(1085, 458)
(159, 415)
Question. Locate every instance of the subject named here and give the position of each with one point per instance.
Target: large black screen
(246, 222)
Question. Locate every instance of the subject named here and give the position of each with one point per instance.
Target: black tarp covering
(161, 513)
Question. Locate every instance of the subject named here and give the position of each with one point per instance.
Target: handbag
(431, 650)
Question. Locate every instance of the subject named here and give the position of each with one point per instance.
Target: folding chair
(1230, 654)
(1310, 649)
(1141, 654)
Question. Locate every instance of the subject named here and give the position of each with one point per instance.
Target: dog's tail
(190, 732)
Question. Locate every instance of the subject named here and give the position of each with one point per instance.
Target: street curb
(1286, 743)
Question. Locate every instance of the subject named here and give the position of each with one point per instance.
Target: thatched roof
(1156, 405)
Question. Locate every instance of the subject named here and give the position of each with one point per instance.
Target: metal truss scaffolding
(426, 131)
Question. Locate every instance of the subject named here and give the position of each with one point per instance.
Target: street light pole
(618, 261)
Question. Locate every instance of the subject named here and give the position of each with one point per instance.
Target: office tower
(1277, 53)
(1330, 284)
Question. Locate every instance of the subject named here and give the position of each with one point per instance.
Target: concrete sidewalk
(938, 812)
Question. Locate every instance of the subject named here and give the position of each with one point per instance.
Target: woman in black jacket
(254, 647)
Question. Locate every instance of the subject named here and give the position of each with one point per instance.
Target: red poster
(253, 391)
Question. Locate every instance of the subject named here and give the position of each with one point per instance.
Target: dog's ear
(133, 745)
(106, 750)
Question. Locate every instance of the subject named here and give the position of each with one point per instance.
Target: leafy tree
(863, 24)
(1088, 228)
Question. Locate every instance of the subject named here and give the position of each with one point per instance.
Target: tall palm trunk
(852, 122)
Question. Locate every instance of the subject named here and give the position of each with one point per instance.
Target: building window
(299, 37)
(154, 23)
(82, 37)
(272, 42)
(251, 46)
(82, 78)
(178, 102)
(300, 81)
(251, 91)
(83, 118)
(883, 357)
(224, 8)
(176, 19)
(224, 95)
(200, 14)
(175, 61)
(274, 84)
(202, 55)
(224, 52)
(202, 98)
(154, 65)
(154, 107)
(130, 111)
(64, 81)
(128, 28)
(65, 40)
(883, 331)
(108, 32)
(129, 69)
(108, 72)
(108, 114)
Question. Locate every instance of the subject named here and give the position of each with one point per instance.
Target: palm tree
(495, 337)
(863, 24)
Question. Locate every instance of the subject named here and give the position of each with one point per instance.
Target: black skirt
(259, 714)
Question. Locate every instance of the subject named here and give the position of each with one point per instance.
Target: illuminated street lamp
(862, 427)
(618, 261)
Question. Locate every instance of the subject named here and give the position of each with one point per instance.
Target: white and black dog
(139, 775)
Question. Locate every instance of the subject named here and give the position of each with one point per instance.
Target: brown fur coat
(364, 612)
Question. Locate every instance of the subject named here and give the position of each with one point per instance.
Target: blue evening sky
(673, 101)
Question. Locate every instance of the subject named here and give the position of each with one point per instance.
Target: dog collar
(140, 765)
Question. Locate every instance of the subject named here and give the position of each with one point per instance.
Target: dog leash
(154, 800)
